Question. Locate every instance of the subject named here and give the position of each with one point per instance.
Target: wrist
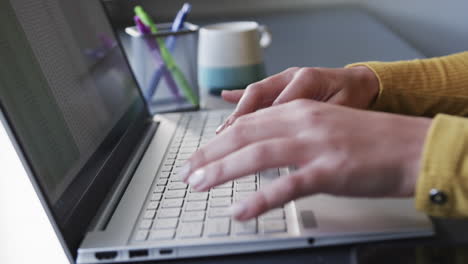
(414, 152)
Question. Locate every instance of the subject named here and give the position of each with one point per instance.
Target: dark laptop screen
(66, 87)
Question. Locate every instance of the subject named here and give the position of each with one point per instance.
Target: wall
(121, 10)
(434, 27)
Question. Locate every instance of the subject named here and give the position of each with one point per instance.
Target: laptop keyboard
(174, 211)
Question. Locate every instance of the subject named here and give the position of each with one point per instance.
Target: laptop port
(106, 255)
(165, 251)
(311, 241)
(138, 253)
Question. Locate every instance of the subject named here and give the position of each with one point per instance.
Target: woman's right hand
(354, 87)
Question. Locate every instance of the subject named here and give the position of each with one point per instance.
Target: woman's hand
(355, 87)
(337, 150)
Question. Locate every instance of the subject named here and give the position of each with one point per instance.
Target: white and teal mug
(230, 55)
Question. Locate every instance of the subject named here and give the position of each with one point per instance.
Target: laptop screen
(66, 89)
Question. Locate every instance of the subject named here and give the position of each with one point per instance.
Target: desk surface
(334, 38)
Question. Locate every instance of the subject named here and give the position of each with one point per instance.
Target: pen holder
(159, 85)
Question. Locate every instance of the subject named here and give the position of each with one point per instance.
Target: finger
(305, 84)
(261, 125)
(232, 96)
(250, 159)
(259, 95)
(244, 132)
(279, 192)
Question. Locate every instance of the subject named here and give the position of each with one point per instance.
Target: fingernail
(184, 171)
(220, 128)
(224, 125)
(238, 209)
(196, 178)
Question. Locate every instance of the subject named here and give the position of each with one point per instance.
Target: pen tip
(187, 7)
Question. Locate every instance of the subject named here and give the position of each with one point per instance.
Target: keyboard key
(184, 156)
(190, 144)
(202, 196)
(145, 224)
(161, 182)
(188, 149)
(179, 163)
(239, 198)
(169, 162)
(175, 194)
(162, 234)
(245, 228)
(177, 177)
(177, 186)
(152, 205)
(250, 178)
(220, 202)
(173, 150)
(158, 189)
(219, 212)
(149, 214)
(195, 206)
(274, 226)
(170, 223)
(245, 193)
(217, 227)
(249, 186)
(141, 235)
(190, 230)
(221, 193)
(193, 216)
(267, 176)
(166, 168)
(169, 213)
(156, 197)
(227, 185)
(171, 156)
(175, 171)
(273, 214)
(164, 175)
(172, 203)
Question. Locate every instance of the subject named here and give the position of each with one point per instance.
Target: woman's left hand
(337, 150)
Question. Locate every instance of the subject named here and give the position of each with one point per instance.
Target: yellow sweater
(433, 87)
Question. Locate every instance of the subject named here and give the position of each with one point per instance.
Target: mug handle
(265, 36)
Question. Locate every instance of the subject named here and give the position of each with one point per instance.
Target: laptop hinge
(109, 205)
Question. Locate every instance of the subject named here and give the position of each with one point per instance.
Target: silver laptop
(107, 172)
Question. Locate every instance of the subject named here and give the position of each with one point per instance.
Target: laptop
(106, 170)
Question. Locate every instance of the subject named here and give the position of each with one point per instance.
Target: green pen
(167, 57)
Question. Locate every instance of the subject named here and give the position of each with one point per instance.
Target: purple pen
(162, 69)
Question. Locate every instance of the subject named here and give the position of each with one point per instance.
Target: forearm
(422, 87)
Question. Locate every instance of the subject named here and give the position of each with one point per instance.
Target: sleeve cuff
(442, 187)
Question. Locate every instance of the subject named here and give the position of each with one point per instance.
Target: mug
(230, 55)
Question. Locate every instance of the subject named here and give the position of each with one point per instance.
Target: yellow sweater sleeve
(433, 87)
(422, 87)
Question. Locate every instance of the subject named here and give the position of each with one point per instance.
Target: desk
(332, 38)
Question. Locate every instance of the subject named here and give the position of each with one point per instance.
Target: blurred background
(433, 27)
